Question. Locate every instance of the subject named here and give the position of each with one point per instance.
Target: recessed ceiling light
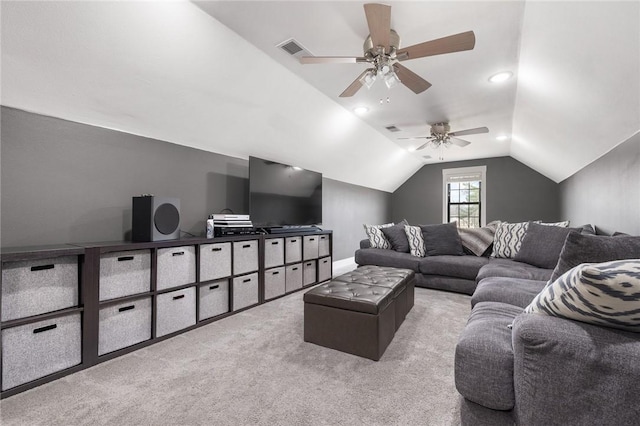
(361, 110)
(411, 148)
(296, 168)
(500, 77)
(502, 137)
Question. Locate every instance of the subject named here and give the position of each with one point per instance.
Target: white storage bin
(176, 267)
(293, 279)
(273, 252)
(274, 282)
(175, 310)
(245, 257)
(34, 287)
(215, 261)
(293, 249)
(124, 273)
(214, 299)
(35, 350)
(309, 272)
(310, 247)
(324, 245)
(245, 291)
(324, 269)
(124, 324)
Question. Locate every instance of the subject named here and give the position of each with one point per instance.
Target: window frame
(448, 174)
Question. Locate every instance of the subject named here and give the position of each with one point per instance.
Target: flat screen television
(283, 195)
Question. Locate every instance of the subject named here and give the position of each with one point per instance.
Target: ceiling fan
(382, 51)
(441, 136)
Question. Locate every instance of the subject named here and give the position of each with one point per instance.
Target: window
(464, 198)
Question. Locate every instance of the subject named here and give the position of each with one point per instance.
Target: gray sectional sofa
(519, 368)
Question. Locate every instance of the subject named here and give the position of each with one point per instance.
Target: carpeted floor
(254, 368)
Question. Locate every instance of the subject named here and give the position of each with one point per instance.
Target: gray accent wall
(515, 193)
(63, 182)
(606, 193)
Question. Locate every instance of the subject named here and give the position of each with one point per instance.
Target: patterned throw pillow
(478, 240)
(416, 242)
(508, 239)
(606, 294)
(376, 237)
(562, 224)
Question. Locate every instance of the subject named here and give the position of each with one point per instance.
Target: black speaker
(155, 218)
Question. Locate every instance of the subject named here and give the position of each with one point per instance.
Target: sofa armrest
(365, 244)
(571, 373)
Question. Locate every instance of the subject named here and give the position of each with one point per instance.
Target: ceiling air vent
(294, 48)
(392, 129)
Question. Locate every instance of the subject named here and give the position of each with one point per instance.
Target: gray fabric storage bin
(293, 249)
(309, 272)
(273, 252)
(215, 261)
(293, 279)
(35, 350)
(274, 282)
(324, 245)
(176, 266)
(175, 310)
(324, 269)
(245, 257)
(214, 299)
(124, 273)
(34, 287)
(310, 247)
(245, 291)
(124, 324)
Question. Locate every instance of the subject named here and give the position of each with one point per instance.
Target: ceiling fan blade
(470, 131)
(331, 60)
(379, 21)
(353, 87)
(450, 44)
(423, 146)
(410, 79)
(460, 142)
(416, 137)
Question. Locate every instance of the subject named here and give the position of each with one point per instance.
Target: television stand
(291, 228)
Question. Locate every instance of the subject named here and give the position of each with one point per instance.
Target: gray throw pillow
(580, 248)
(442, 239)
(397, 237)
(542, 245)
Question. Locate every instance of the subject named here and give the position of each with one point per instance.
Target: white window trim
(482, 170)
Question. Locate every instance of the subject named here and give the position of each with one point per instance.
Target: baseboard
(344, 265)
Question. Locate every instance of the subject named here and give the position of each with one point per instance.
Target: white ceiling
(175, 72)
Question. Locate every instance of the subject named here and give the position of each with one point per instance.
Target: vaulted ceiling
(210, 75)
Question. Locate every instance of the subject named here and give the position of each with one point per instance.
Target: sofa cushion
(606, 294)
(442, 239)
(381, 257)
(580, 248)
(542, 245)
(508, 239)
(512, 269)
(453, 266)
(484, 356)
(376, 237)
(416, 241)
(514, 291)
(478, 240)
(397, 238)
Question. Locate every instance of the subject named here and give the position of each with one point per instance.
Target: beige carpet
(254, 368)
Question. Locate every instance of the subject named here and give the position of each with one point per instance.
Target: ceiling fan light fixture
(501, 77)
(368, 78)
(391, 79)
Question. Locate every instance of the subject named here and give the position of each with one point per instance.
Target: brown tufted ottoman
(360, 311)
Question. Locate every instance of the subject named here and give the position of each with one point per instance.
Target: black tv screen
(283, 195)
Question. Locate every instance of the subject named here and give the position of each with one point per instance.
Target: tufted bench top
(351, 296)
(393, 278)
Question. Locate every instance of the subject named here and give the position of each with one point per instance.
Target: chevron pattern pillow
(508, 239)
(606, 294)
(416, 241)
(376, 237)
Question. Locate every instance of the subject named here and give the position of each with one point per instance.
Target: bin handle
(125, 258)
(178, 297)
(213, 287)
(126, 308)
(178, 253)
(42, 267)
(45, 328)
